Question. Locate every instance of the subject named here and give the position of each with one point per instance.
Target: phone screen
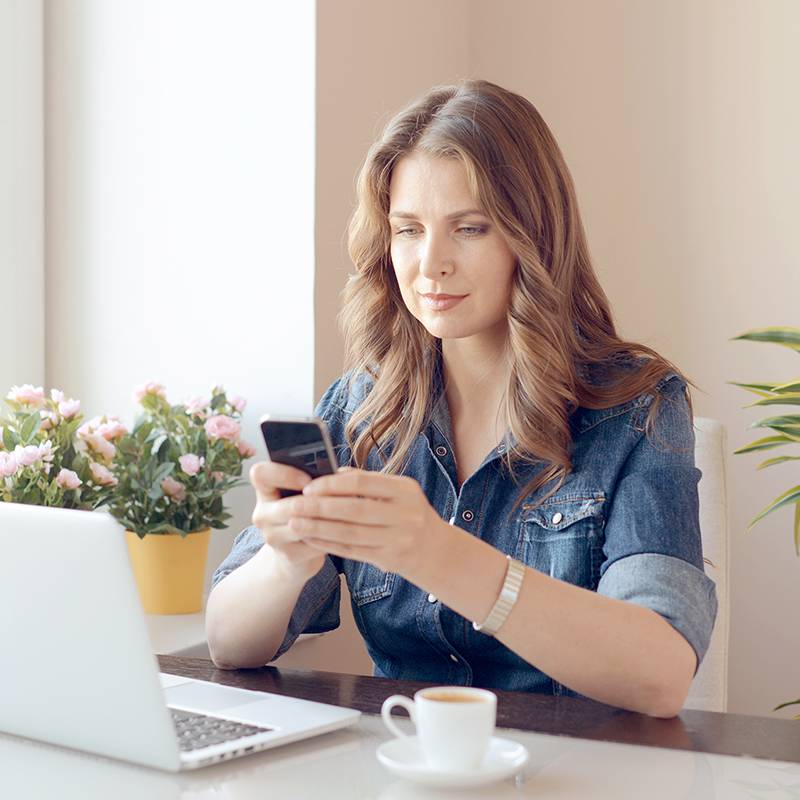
(301, 443)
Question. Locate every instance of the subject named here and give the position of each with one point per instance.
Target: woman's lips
(442, 302)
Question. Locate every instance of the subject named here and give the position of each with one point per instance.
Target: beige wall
(680, 120)
(371, 58)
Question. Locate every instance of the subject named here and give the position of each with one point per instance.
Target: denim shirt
(624, 523)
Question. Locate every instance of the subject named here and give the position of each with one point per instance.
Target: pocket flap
(561, 511)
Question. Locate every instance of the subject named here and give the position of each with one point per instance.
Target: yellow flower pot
(170, 570)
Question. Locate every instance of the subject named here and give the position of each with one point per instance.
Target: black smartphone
(301, 442)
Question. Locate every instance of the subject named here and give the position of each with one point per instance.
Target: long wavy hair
(562, 348)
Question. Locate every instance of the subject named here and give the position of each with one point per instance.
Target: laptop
(78, 670)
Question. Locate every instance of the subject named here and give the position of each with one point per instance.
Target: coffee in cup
(454, 724)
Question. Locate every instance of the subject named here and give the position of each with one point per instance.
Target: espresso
(453, 697)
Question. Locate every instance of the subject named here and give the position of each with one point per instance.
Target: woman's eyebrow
(454, 216)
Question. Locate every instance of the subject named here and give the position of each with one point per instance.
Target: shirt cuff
(680, 592)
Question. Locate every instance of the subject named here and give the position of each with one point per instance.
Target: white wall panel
(22, 356)
(180, 145)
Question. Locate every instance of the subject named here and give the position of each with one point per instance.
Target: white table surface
(343, 766)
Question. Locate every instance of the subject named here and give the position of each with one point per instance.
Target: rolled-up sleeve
(680, 592)
(653, 550)
(317, 608)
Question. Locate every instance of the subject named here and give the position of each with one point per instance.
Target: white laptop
(77, 668)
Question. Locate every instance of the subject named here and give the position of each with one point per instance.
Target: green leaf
(790, 703)
(797, 529)
(782, 420)
(764, 444)
(150, 402)
(786, 499)
(788, 399)
(30, 428)
(773, 461)
(787, 425)
(758, 388)
(785, 336)
(218, 400)
(10, 439)
(164, 471)
(792, 432)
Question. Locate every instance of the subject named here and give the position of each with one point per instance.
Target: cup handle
(386, 713)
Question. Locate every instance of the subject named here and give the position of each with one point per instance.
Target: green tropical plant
(786, 427)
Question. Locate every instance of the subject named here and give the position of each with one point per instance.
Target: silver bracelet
(505, 602)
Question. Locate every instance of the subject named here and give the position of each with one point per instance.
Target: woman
(519, 509)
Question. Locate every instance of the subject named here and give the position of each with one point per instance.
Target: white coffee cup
(454, 724)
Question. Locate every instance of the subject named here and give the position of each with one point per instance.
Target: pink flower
(46, 451)
(97, 444)
(27, 395)
(87, 427)
(246, 450)
(222, 426)
(151, 387)
(191, 464)
(26, 456)
(239, 403)
(195, 405)
(49, 420)
(67, 479)
(102, 474)
(8, 464)
(173, 489)
(69, 409)
(111, 429)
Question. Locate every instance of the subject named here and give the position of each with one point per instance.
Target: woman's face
(453, 265)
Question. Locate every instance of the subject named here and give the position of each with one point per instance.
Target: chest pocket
(367, 583)
(563, 538)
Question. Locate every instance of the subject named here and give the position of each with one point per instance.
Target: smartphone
(301, 442)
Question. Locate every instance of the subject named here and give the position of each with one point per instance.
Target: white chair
(709, 690)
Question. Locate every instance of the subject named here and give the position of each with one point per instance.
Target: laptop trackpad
(208, 697)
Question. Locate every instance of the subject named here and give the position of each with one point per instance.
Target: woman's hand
(384, 520)
(272, 514)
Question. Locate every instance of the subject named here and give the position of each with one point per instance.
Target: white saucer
(404, 758)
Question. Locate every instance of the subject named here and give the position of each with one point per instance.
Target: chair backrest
(709, 690)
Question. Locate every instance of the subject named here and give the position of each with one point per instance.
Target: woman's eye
(472, 230)
(406, 231)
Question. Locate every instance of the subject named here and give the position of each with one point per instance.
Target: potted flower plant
(49, 457)
(172, 470)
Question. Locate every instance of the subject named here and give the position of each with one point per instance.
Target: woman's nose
(437, 257)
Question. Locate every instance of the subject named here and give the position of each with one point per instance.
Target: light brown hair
(563, 350)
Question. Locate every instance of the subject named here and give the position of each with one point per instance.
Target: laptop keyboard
(200, 730)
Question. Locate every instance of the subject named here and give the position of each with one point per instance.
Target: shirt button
(432, 598)
(441, 451)
(467, 516)
(501, 448)
(557, 517)
(454, 658)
